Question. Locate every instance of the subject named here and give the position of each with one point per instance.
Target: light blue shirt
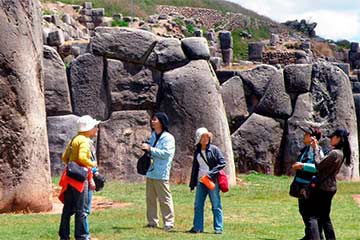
(162, 155)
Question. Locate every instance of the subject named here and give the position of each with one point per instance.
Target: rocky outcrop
(57, 94)
(25, 183)
(88, 88)
(303, 26)
(119, 144)
(132, 86)
(191, 98)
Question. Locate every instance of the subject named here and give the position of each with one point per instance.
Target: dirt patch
(98, 203)
(356, 198)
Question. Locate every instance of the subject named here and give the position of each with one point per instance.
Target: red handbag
(223, 181)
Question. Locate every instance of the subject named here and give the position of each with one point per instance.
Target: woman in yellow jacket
(75, 194)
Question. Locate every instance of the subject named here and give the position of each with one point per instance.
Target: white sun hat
(86, 123)
(199, 132)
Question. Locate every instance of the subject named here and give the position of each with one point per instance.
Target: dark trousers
(74, 203)
(307, 209)
(324, 199)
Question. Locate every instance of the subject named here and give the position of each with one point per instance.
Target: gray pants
(159, 190)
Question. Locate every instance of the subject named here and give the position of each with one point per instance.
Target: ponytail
(346, 151)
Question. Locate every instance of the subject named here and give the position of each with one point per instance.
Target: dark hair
(343, 144)
(316, 132)
(164, 120)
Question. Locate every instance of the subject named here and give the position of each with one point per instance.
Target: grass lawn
(262, 209)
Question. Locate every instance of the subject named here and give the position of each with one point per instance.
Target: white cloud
(336, 20)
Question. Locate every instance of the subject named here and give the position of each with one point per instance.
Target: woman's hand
(92, 185)
(145, 147)
(297, 166)
(314, 143)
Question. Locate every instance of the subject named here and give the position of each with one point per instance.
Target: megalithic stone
(25, 183)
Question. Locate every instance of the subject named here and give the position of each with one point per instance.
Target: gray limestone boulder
(60, 129)
(191, 98)
(276, 102)
(123, 44)
(233, 95)
(257, 79)
(196, 48)
(119, 144)
(333, 106)
(57, 94)
(256, 144)
(227, 56)
(167, 54)
(298, 78)
(88, 88)
(25, 183)
(132, 87)
(56, 38)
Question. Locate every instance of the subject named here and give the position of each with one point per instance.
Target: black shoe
(151, 225)
(193, 230)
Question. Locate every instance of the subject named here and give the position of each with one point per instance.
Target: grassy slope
(260, 210)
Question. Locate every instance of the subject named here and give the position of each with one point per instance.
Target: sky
(338, 19)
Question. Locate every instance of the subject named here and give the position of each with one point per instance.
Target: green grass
(119, 23)
(240, 45)
(260, 210)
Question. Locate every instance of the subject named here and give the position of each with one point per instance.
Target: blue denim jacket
(162, 155)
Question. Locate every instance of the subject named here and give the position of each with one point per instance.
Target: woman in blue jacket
(208, 161)
(162, 149)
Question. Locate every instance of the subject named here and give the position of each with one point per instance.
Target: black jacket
(215, 160)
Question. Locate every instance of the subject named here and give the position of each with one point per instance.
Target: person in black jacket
(208, 161)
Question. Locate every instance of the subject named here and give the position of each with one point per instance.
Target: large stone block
(233, 95)
(196, 48)
(256, 144)
(298, 78)
(333, 106)
(255, 50)
(25, 183)
(276, 102)
(119, 144)
(123, 44)
(167, 54)
(225, 40)
(89, 92)
(57, 94)
(191, 98)
(132, 87)
(60, 129)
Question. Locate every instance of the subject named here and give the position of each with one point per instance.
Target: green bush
(119, 23)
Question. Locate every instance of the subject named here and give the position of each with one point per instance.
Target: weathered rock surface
(119, 144)
(132, 86)
(256, 144)
(233, 95)
(123, 44)
(25, 183)
(61, 129)
(333, 107)
(298, 78)
(276, 102)
(89, 92)
(196, 48)
(57, 94)
(167, 54)
(191, 98)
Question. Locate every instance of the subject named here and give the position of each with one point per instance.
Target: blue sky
(336, 19)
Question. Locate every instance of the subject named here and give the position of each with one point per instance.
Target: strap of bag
(70, 151)
(157, 138)
(202, 156)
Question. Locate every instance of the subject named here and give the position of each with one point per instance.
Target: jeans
(74, 203)
(307, 209)
(201, 192)
(88, 210)
(324, 199)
